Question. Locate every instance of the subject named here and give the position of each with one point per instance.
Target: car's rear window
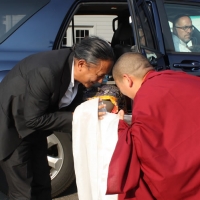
(13, 13)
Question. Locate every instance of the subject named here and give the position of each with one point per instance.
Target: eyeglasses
(186, 28)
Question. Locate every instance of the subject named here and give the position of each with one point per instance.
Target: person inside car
(182, 33)
(150, 55)
(156, 157)
(32, 95)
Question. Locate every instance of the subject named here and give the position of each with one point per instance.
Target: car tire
(61, 163)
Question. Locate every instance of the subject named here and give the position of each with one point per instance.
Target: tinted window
(145, 30)
(14, 13)
(184, 23)
(145, 24)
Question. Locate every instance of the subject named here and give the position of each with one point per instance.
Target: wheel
(61, 163)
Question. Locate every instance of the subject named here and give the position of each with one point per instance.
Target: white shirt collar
(177, 39)
(72, 75)
(179, 45)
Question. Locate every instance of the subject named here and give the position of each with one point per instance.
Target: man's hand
(101, 109)
(121, 114)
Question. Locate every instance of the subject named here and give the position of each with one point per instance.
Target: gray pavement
(69, 194)
(69, 197)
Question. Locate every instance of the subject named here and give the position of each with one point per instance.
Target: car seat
(123, 39)
(195, 41)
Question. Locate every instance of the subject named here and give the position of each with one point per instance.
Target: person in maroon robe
(157, 156)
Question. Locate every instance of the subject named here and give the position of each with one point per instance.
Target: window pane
(146, 34)
(64, 42)
(77, 33)
(80, 34)
(184, 24)
(95, 18)
(14, 13)
(86, 33)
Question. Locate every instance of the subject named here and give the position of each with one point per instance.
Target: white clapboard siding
(99, 25)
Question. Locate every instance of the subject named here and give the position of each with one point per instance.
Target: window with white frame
(80, 34)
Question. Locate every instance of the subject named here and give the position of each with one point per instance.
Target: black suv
(145, 26)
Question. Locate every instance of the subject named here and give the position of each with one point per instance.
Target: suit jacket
(29, 97)
(157, 157)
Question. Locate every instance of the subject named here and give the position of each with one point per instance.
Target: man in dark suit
(32, 96)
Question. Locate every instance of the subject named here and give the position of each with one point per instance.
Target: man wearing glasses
(182, 33)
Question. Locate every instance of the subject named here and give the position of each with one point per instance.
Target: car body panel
(32, 36)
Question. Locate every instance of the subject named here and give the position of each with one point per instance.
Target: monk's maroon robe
(157, 157)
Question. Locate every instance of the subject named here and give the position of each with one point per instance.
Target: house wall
(96, 24)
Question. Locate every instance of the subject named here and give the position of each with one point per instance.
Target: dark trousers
(27, 171)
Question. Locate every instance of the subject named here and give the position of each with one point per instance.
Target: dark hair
(92, 49)
(177, 17)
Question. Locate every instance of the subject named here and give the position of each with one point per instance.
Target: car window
(145, 26)
(146, 36)
(184, 24)
(87, 25)
(107, 20)
(100, 19)
(13, 13)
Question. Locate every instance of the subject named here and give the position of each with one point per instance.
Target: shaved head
(130, 63)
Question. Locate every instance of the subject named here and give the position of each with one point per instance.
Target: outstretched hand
(121, 114)
(101, 109)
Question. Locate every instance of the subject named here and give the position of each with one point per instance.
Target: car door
(180, 60)
(147, 32)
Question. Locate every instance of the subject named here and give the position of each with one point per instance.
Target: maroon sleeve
(124, 168)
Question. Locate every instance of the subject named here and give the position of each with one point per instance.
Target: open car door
(144, 20)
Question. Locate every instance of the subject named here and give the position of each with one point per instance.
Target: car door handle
(192, 65)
